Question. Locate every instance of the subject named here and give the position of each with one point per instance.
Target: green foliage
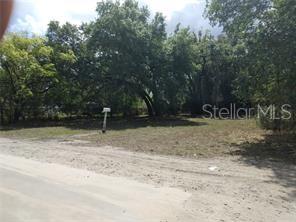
(126, 60)
(203, 67)
(26, 75)
(267, 29)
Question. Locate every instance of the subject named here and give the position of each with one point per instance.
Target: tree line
(128, 61)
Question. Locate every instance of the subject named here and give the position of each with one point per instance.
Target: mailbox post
(105, 111)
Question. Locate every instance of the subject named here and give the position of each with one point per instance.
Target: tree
(203, 68)
(268, 30)
(74, 65)
(120, 39)
(158, 66)
(182, 67)
(27, 74)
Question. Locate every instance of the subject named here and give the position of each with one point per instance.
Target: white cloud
(43, 11)
(168, 7)
(34, 15)
(192, 15)
(27, 23)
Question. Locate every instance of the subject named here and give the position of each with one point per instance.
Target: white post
(105, 111)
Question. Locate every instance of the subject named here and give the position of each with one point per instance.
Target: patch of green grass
(41, 133)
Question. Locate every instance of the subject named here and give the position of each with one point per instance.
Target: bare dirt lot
(220, 188)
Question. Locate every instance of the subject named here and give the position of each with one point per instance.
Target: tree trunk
(149, 105)
(16, 115)
(1, 116)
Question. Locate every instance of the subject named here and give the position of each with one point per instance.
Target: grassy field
(183, 137)
(40, 133)
(188, 137)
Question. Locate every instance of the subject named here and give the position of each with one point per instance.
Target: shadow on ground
(113, 124)
(275, 152)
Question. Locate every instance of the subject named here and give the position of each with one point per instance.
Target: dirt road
(220, 189)
(34, 191)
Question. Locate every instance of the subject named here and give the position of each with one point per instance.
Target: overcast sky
(34, 15)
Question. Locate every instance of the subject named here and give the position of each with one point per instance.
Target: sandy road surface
(35, 191)
(220, 189)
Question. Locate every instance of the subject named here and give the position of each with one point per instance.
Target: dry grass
(188, 137)
(183, 137)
